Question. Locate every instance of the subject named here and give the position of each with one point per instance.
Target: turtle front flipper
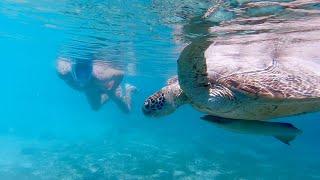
(285, 132)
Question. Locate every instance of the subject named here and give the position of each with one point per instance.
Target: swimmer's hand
(104, 98)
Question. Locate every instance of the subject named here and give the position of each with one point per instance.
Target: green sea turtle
(252, 77)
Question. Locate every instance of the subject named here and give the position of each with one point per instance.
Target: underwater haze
(49, 131)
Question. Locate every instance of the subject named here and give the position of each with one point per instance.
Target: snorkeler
(98, 80)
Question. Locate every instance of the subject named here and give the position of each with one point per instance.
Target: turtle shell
(258, 76)
(282, 65)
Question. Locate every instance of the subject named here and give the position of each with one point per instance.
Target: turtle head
(165, 101)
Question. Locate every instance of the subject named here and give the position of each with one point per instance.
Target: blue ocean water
(48, 130)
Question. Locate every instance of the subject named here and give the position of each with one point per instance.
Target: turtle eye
(146, 104)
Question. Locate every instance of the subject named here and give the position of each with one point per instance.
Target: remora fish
(285, 132)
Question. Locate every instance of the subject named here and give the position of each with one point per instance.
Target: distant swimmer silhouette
(98, 80)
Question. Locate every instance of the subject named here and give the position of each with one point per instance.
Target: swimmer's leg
(130, 89)
(124, 100)
(117, 96)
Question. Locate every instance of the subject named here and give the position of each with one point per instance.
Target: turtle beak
(146, 111)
